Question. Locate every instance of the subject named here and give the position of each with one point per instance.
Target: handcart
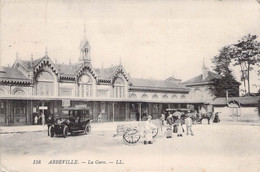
(131, 132)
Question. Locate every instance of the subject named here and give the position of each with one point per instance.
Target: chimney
(205, 71)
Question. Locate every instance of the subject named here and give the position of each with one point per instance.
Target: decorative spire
(203, 62)
(120, 63)
(55, 61)
(46, 51)
(102, 66)
(70, 62)
(17, 55)
(31, 60)
(173, 74)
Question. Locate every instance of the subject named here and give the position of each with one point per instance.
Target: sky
(154, 39)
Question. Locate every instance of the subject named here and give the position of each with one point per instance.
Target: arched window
(183, 97)
(19, 92)
(144, 96)
(44, 84)
(85, 86)
(155, 96)
(133, 96)
(174, 96)
(165, 97)
(119, 88)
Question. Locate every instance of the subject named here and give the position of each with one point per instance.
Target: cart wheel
(51, 131)
(155, 132)
(87, 129)
(65, 131)
(131, 136)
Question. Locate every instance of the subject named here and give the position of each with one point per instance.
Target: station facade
(29, 87)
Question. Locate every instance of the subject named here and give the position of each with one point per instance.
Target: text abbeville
(63, 162)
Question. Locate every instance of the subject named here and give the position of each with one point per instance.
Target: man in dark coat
(169, 119)
(50, 121)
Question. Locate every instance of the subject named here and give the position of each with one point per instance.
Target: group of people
(39, 119)
(174, 123)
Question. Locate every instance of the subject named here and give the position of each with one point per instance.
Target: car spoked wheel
(131, 136)
(87, 129)
(51, 131)
(65, 131)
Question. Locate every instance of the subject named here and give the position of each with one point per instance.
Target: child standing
(188, 123)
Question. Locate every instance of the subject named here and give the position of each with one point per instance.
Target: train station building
(29, 87)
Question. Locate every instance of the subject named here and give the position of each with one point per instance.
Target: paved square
(216, 147)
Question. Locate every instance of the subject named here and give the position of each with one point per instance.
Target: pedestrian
(169, 130)
(100, 117)
(169, 119)
(35, 120)
(203, 111)
(49, 123)
(149, 128)
(188, 123)
(180, 129)
(39, 119)
(137, 116)
(162, 124)
(43, 118)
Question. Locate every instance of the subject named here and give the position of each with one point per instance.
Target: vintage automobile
(77, 123)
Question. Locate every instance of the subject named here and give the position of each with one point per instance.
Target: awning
(100, 99)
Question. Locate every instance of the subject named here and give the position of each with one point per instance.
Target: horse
(194, 117)
(207, 115)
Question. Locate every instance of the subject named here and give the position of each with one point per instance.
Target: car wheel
(65, 131)
(87, 129)
(51, 131)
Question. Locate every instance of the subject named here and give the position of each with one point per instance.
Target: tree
(222, 61)
(226, 81)
(246, 54)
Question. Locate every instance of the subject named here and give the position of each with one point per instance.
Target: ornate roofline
(85, 67)
(43, 62)
(119, 69)
(21, 63)
(16, 81)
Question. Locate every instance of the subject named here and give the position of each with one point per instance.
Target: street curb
(21, 132)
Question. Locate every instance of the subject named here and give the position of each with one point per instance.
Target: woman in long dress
(179, 126)
(149, 127)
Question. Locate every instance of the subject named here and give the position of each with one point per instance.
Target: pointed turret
(84, 49)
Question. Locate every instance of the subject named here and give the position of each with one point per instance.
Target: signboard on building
(43, 107)
(81, 106)
(65, 103)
